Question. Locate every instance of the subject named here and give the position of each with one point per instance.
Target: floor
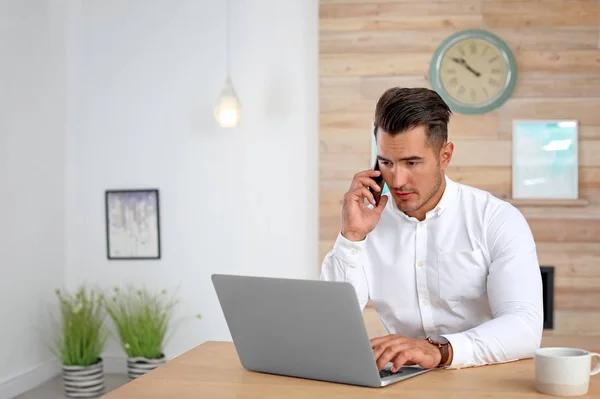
(53, 389)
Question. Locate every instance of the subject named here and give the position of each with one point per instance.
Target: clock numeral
(485, 92)
(494, 58)
(473, 94)
(494, 82)
(450, 71)
(453, 82)
(473, 48)
(485, 50)
(462, 52)
(496, 70)
(461, 91)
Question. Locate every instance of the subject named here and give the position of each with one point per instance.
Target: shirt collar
(448, 198)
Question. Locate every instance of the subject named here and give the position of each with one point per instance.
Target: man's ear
(446, 154)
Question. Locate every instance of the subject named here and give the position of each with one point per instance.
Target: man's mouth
(402, 195)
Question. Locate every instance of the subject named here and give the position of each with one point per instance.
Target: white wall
(32, 183)
(143, 80)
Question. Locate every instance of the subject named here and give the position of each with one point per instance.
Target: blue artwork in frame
(132, 224)
(545, 159)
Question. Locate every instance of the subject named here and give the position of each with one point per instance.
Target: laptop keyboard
(387, 372)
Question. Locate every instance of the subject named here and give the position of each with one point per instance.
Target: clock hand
(474, 72)
(462, 62)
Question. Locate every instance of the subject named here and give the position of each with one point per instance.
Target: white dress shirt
(469, 272)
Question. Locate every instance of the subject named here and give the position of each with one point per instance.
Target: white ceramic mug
(564, 371)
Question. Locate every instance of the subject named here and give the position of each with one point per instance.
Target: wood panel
(357, 64)
(381, 41)
(368, 46)
(518, 13)
(372, 87)
(468, 153)
(369, 41)
(585, 111)
(549, 38)
(559, 61)
(568, 85)
(412, 15)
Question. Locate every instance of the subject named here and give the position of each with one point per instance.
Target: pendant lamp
(228, 109)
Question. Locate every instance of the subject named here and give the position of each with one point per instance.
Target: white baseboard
(36, 376)
(30, 379)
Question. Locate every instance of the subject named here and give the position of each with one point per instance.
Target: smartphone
(380, 183)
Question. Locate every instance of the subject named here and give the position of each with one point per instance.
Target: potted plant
(142, 320)
(79, 340)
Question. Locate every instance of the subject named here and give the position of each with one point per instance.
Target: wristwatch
(443, 344)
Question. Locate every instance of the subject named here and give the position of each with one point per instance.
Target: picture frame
(545, 161)
(132, 224)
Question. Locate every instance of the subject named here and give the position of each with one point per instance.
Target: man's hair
(401, 109)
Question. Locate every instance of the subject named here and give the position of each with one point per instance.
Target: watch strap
(444, 351)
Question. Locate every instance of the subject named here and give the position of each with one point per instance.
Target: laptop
(308, 329)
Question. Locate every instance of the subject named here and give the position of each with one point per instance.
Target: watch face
(473, 71)
(439, 339)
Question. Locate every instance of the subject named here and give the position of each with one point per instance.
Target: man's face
(413, 170)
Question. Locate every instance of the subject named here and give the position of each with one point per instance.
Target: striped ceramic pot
(84, 381)
(138, 366)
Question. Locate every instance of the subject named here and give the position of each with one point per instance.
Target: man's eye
(412, 163)
(384, 162)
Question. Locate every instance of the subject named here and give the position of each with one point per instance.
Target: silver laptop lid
(301, 328)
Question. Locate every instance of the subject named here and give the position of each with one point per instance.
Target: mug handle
(596, 369)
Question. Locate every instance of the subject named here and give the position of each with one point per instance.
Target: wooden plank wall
(367, 46)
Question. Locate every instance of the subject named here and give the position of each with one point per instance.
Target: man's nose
(400, 177)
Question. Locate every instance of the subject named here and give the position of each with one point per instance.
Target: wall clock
(474, 71)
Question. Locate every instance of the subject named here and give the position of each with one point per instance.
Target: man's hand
(402, 350)
(357, 218)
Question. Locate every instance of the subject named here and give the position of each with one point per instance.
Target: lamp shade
(228, 109)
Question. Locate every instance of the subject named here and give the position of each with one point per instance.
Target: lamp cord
(228, 41)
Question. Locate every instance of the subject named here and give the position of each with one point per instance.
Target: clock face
(474, 71)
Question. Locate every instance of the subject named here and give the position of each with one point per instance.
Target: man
(451, 270)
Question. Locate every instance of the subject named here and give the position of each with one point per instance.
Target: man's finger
(401, 359)
(397, 346)
(387, 356)
(382, 203)
(385, 338)
(365, 181)
(363, 192)
(368, 173)
(382, 346)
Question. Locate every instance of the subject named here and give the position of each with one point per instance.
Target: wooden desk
(213, 370)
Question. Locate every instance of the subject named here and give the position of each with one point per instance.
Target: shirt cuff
(462, 350)
(349, 251)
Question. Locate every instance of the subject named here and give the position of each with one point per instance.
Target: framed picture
(545, 159)
(132, 224)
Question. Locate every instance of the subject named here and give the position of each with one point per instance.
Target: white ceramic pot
(84, 381)
(138, 366)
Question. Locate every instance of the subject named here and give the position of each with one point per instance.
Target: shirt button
(420, 225)
(421, 263)
(425, 302)
(353, 251)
